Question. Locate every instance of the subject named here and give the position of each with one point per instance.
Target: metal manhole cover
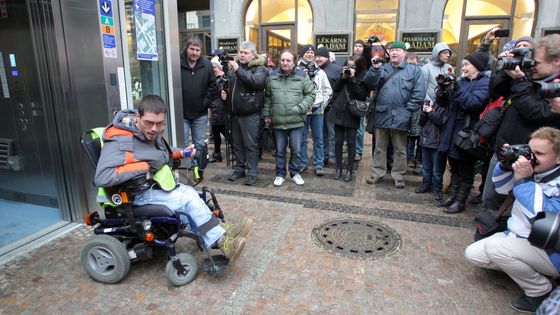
(356, 238)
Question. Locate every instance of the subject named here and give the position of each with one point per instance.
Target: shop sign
(337, 43)
(145, 24)
(108, 40)
(420, 41)
(229, 44)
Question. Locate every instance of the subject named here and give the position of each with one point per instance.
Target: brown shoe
(240, 229)
(232, 247)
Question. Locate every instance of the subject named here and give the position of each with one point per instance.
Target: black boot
(452, 191)
(459, 204)
(338, 173)
(348, 177)
(216, 157)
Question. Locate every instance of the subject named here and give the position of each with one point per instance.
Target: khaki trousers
(382, 138)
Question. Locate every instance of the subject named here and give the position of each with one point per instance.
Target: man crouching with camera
(532, 173)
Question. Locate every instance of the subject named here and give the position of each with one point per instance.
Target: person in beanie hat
(314, 118)
(359, 46)
(479, 61)
(463, 102)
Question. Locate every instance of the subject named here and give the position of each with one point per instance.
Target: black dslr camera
(372, 39)
(223, 57)
(522, 57)
(445, 79)
(508, 155)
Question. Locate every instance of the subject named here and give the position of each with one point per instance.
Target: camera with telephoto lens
(545, 232)
(445, 79)
(509, 155)
(522, 57)
(549, 89)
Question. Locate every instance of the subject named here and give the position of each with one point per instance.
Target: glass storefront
(464, 32)
(377, 18)
(275, 25)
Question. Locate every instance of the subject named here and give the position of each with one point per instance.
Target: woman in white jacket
(315, 113)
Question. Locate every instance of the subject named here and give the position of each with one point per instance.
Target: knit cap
(306, 48)
(479, 60)
(323, 51)
(398, 44)
(361, 42)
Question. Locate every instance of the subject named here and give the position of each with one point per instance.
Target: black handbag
(489, 222)
(355, 107)
(467, 141)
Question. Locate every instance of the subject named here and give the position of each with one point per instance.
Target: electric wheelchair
(127, 233)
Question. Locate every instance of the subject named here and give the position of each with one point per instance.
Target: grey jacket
(433, 68)
(127, 153)
(403, 94)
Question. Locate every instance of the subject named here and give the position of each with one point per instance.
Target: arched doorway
(275, 25)
(466, 22)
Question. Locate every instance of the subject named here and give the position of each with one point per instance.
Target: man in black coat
(199, 88)
(245, 102)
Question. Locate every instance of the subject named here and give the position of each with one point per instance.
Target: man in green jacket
(289, 94)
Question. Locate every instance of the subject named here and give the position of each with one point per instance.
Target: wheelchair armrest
(131, 187)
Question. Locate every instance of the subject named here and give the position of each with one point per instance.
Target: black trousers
(464, 169)
(348, 134)
(217, 132)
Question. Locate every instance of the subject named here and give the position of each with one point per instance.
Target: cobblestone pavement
(281, 270)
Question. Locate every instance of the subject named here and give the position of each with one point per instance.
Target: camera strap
(385, 80)
(505, 205)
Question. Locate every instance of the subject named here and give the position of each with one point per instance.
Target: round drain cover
(356, 238)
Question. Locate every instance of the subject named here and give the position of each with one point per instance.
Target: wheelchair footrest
(215, 265)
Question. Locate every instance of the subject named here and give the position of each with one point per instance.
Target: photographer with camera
(245, 98)
(532, 174)
(464, 99)
(527, 108)
(350, 86)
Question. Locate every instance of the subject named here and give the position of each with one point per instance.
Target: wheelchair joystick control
(186, 153)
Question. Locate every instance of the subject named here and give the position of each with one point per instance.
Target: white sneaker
(298, 180)
(278, 181)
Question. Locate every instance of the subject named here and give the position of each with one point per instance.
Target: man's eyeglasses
(151, 124)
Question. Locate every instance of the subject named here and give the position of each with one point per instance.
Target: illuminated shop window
(283, 24)
(463, 33)
(377, 17)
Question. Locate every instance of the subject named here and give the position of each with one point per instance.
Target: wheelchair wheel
(105, 259)
(190, 264)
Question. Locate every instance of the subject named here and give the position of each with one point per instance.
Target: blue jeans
(360, 138)
(432, 168)
(197, 127)
(282, 137)
(316, 124)
(328, 139)
(185, 199)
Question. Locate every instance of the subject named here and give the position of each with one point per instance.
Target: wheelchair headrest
(92, 147)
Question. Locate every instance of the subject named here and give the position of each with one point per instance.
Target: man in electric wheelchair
(144, 206)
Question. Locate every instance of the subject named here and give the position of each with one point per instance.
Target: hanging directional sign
(106, 23)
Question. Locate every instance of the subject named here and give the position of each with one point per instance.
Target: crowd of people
(417, 115)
